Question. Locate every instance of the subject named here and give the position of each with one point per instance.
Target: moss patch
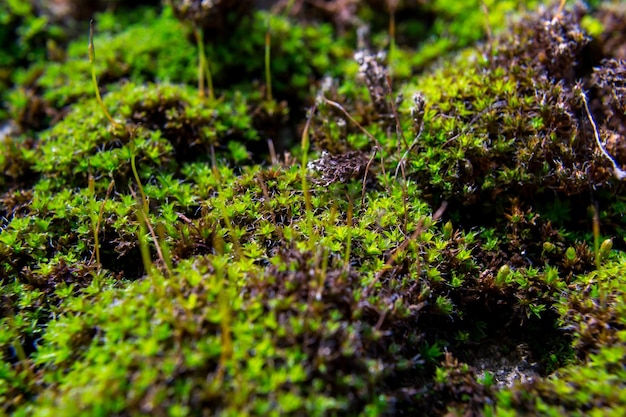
(374, 238)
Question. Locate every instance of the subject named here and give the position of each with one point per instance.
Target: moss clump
(24, 34)
(510, 123)
(594, 315)
(36, 35)
(167, 124)
(54, 86)
(441, 256)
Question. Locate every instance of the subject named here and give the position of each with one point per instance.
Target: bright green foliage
(23, 36)
(300, 54)
(31, 37)
(137, 53)
(459, 24)
(166, 124)
(428, 31)
(594, 385)
(432, 257)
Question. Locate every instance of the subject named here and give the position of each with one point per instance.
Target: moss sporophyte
(232, 209)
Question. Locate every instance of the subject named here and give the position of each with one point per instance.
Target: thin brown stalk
(367, 168)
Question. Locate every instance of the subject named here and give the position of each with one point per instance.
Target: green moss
(441, 256)
(24, 35)
(425, 32)
(137, 54)
(37, 45)
(593, 385)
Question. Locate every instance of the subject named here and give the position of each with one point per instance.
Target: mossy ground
(434, 232)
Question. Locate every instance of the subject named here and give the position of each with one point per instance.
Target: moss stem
(204, 69)
(268, 75)
(305, 143)
(92, 58)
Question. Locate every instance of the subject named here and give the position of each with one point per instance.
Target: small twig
(619, 173)
(357, 124)
(367, 168)
(400, 135)
(417, 113)
(381, 320)
(402, 161)
(214, 160)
